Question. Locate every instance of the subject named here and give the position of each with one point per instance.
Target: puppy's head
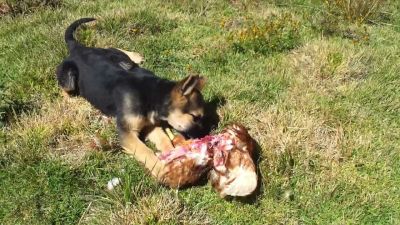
(187, 104)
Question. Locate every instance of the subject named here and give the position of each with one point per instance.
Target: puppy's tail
(69, 33)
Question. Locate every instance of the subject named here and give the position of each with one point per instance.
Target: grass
(319, 93)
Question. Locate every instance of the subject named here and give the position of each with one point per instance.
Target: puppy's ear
(191, 83)
(67, 76)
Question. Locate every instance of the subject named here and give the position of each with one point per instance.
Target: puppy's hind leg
(134, 56)
(67, 75)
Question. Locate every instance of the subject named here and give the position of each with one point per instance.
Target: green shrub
(278, 33)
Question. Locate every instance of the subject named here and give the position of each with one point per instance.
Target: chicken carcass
(227, 157)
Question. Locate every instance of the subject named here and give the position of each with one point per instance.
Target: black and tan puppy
(140, 101)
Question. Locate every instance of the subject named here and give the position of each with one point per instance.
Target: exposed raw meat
(227, 156)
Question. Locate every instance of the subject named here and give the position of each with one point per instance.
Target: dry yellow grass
(164, 208)
(70, 128)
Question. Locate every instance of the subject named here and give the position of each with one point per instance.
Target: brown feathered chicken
(234, 172)
(227, 157)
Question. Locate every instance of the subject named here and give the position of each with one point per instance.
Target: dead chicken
(227, 157)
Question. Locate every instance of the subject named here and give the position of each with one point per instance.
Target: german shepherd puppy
(140, 101)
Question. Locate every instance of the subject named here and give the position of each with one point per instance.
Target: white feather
(244, 184)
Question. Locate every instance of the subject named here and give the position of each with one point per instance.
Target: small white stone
(113, 183)
(110, 186)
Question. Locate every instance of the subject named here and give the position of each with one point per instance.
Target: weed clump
(278, 33)
(17, 7)
(347, 18)
(354, 11)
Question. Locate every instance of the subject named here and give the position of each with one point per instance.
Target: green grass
(319, 92)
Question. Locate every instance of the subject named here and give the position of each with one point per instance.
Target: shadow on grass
(9, 111)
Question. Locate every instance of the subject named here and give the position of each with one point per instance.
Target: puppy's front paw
(165, 146)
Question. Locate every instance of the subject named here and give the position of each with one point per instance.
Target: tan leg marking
(65, 94)
(130, 142)
(160, 139)
(133, 123)
(134, 56)
(132, 145)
